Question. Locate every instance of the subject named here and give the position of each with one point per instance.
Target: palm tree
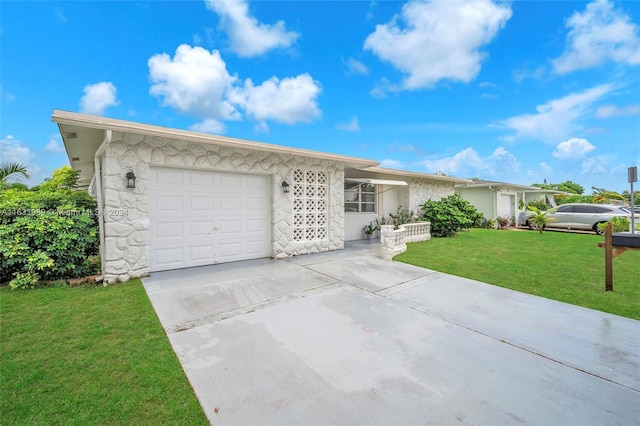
(601, 195)
(539, 218)
(11, 171)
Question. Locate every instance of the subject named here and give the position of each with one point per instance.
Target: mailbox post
(633, 177)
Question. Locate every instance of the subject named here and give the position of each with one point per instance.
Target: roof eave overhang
(409, 174)
(101, 123)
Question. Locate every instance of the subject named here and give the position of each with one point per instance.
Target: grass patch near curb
(556, 265)
(92, 355)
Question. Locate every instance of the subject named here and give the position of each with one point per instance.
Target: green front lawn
(89, 356)
(557, 265)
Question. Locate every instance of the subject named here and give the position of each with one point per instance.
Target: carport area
(346, 338)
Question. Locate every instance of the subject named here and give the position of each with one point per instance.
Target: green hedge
(48, 232)
(450, 215)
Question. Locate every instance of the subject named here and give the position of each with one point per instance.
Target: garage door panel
(199, 179)
(203, 217)
(169, 203)
(255, 247)
(168, 178)
(201, 204)
(202, 253)
(255, 225)
(168, 229)
(255, 203)
(231, 249)
(167, 257)
(230, 203)
(230, 226)
(202, 228)
(256, 182)
(229, 182)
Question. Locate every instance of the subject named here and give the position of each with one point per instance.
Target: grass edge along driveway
(556, 265)
(94, 355)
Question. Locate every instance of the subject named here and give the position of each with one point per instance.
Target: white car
(580, 216)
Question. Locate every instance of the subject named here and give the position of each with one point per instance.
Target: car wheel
(597, 230)
(533, 226)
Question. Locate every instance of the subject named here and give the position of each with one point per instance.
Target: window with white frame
(359, 197)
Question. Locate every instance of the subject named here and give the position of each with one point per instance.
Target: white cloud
(520, 75)
(607, 111)
(468, 163)
(503, 161)
(261, 127)
(557, 118)
(390, 163)
(440, 40)
(594, 166)
(209, 126)
(98, 97)
(598, 35)
(247, 36)
(59, 15)
(354, 66)
(12, 151)
(487, 85)
(351, 126)
(573, 148)
(408, 148)
(54, 145)
(290, 100)
(546, 169)
(194, 82)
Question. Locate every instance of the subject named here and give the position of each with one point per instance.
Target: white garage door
(201, 217)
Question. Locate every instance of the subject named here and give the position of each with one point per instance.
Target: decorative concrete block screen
(394, 241)
(310, 205)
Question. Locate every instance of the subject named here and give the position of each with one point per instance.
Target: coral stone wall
(421, 190)
(126, 250)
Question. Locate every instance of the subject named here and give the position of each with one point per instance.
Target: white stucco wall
(421, 190)
(127, 236)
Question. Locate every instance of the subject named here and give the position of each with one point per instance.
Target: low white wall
(394, 241)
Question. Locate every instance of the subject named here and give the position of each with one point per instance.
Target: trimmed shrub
(450, 215)
(48, 232)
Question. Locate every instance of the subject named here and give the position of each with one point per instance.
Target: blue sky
(512, 91)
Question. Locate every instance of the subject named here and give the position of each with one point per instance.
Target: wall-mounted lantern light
(131, 180)
(285, 187)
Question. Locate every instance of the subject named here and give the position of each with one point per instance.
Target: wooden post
(608, 258)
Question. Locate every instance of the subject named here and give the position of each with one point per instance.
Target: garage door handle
(215, 228)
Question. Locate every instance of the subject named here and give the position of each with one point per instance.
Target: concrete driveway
(346, 338)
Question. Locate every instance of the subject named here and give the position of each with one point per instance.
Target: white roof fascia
(97, 122)
(418, 175)
(377, 181)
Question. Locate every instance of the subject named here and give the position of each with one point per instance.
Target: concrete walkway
(346, 338)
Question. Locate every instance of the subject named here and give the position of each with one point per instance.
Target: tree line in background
(598, 196)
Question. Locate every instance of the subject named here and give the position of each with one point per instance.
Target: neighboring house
(500, 199)
(199, 199)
